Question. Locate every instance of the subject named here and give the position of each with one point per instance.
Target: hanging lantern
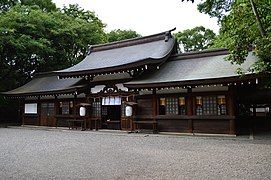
(181, 101)
(129, 111)
(199, 100)
(82, 111)
(162, 101)
(221, 100)
(71, 104)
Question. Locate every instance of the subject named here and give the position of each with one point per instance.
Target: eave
(226, 81)
(71, 91)
(132, 56)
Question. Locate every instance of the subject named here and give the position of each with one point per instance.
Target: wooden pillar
(189, 109)
(253, 117)
(56, 110)
(231, 110)
(39, 111)
(154, 111)
(74, 102)
(154, 103)
(22, 106)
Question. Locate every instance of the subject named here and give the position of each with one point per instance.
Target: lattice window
(199, 109)
(123, 106)
(96, 109)
(221, 101)
(104, 111)
(172, 105)
(182, 105)
(65, 107)
(51, 109)
(48, 109)
(222, 109)
(209, 105)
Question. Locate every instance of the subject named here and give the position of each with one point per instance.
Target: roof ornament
(90, 47)
(168, 34)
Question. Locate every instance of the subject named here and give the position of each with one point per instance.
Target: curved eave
(123, 56)
(72, 90)
(144, 64)
(234, 80)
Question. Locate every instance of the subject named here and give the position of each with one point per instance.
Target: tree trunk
(257, 18)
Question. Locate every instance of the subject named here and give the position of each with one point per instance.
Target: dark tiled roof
(193, 67)
(47, 85)
(123, 55)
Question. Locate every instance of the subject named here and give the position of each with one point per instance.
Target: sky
(146, 17)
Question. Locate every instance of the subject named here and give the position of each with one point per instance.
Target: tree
(6, 4)
(33, 40)
(45, 5)
(244, 25)
(118, 35)
(196, 39)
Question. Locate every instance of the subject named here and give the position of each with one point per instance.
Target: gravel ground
(40, 154)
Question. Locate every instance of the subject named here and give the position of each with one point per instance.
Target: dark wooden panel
(9, 115)
(261, 123)
(113, 124)
(255, 123)
(31, 120)
(144, 107)
(62, 122)
(211, 126)
(173, 125)
(48, 121)
(126, 123)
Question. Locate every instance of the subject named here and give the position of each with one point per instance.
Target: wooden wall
(31, 120)
(145, 106)
(189, 123)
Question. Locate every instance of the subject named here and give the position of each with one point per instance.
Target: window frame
(176, 107)
(65, 107)
(31, 105)
(216, 105)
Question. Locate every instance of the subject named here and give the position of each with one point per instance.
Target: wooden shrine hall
(144, 84)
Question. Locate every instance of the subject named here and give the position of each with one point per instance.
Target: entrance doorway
(111, 112)
(111, 115)
(47, 117)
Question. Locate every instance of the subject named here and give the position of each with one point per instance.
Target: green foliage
(6, 4)
(216, 8)
(241, 29)
(196, 39)
(45, 5)
(118, 35)
(34, 40)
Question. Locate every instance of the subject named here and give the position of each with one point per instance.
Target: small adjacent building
(143, 83)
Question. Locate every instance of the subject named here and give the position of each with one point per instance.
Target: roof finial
(168, 35)
(89, 49)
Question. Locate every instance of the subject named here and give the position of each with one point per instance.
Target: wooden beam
(189, 109)
(39, 111)
(231, 109)
(154, 111)
(56, 109)
(22, 105)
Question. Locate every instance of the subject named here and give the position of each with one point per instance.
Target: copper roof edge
(133, 41)
(199, 54)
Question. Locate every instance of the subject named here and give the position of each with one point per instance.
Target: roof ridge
(199, 54)
(133, 41)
